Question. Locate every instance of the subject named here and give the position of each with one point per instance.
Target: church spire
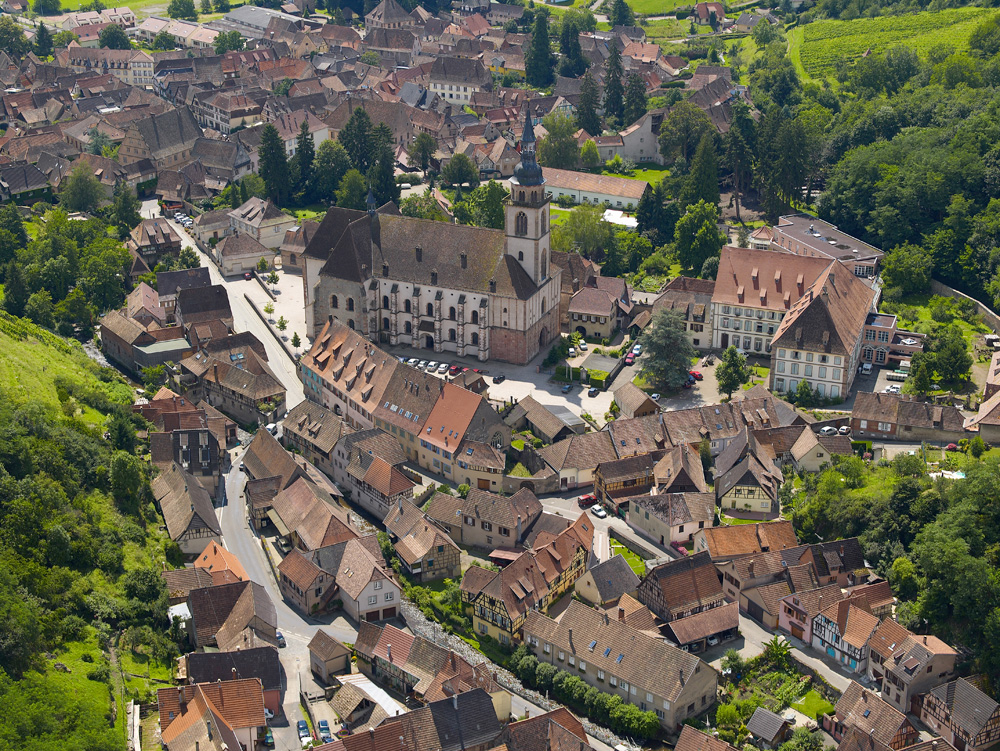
(527, 172)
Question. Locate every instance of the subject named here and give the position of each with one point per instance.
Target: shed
(328, 656)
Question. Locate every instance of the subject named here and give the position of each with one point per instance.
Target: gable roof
(969, 707)
(641, 660)
(169, 133)
(864, 710)
(902, 410)
(326, 647)
(684, 584)
(613, 578)
(583, 451)
(265, 457)
(744, 539)
(257, 662)
(232, 605)
(239, 702)
(185, 503)
(765, 724)
(692, 739)
(217, 558)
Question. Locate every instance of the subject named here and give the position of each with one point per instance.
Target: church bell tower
(527, 211)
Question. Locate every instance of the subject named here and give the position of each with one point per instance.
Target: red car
(586, 501)
(695, 374)
(454, 370)
(247, 275)
(629, 358)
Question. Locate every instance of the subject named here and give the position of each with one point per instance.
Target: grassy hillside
(816, 47)
(81, 546)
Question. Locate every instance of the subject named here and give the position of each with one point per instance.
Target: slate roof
(969, 707)
(613, 578)
(257, 662)
(185, 503)
(684, 584)
(766, 725)
(22, 178)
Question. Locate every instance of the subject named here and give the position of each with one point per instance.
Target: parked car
(713, 641)
(586, 501)
(828, 430)
(268, 738)
(499, 378)
(432, 366)
(598, 511)
(454, 370)
(572, 352)
(443, 368)
(845, 429)
(247, 275)
(655, 397)
(695, 374)
(594, 391)
(303, 729)
(637, 350)
(583, 346)
(281, 639)
(325, 736)
(421, 365)
(412, 361)
(268, 714)
(629, 358)
(566, 389)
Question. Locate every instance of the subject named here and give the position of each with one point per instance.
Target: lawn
(635, 562)
(558, 216)
(657, 7)
(816, 47)
(813, 705)
(730, 521)
(665, 30)
(651, 175)
(311, 211)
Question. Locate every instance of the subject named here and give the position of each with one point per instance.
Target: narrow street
(244, 318)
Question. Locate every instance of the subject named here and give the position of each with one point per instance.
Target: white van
(866, 368)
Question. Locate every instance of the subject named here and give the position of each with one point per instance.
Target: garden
(770, 681)
(633, 559)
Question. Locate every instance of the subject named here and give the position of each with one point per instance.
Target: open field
(657, 7)
(665, 30)
(652, 175)
(816, 47)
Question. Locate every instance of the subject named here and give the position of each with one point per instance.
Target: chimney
(388, 651)
(234, 674)
(181, 699)
(682, 676)
(434, 276)
(493, 285)
(750, 569)
(420, 254)
(215, 372)
(925, 640)
(621, 614)
(400, 504)
(371, 732)
(465, 260)
(571, 636)
(385, 269)
(454, 701)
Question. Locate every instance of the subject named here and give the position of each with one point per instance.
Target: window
(389, 595)
(475, 316)
(547, 649)
(350, 303)
(430, 309)
(385, 301)
(649, 697)
(487, 526)
(334, 302)
(612, 680)
(406, 306)
(407, 327)
(583, 666)
(781, 366)
(562, 655)
(373, 600)
(378, 585)
(864, 424)
(521, 223)
(475, 338)
(572, 660)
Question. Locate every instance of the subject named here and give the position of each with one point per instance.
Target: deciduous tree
(12, 38)
(682, 131)
(329, 167)
(697, 235)
(352, 191)
(81, 191)
(229, 41)
(460, 169)
(182, 9)
(559, 148)
(113, 37)
(125, 209)
(422, 151)
(732, 371)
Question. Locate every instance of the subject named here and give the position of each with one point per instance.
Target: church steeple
(527, 210)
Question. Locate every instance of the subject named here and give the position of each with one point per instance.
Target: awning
(276, 521)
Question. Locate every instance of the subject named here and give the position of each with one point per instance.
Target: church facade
(471, 291)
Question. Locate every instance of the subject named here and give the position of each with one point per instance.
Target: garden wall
(989, 317)
(647, 554)
(819, 683)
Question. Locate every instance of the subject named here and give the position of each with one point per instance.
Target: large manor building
(491, 294)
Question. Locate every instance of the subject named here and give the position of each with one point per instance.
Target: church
(472, 291)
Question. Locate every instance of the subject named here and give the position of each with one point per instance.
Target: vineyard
(816, 47)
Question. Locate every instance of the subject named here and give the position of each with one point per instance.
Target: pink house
(796, 611)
